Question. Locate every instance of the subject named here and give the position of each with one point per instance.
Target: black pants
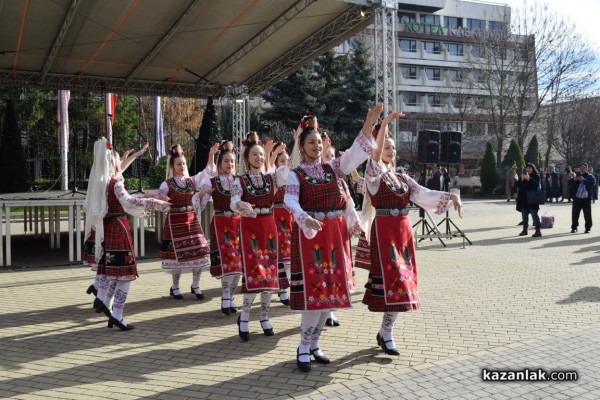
(586, 206)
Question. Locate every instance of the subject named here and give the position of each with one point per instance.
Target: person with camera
(584, 183)
(529, 181)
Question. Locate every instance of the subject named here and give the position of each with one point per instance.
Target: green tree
(206, 137)
(358, 92)
(513, 155)
(15, 172)
(489, 178)
(533, 153)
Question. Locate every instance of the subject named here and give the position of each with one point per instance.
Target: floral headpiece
(252, 138)
(309, 121)
(375, 130)
(227, 145)
(324, 134)
(176, 150)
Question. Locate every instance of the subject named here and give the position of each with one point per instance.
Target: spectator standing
(584, 186)
(567, 182)
(553, 182)
(509, 182)
(529, 181)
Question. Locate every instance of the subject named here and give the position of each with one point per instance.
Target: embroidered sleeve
(163, 191)
(361, 185)
(292, 204)
(362, 148)
(136, 206)
(373, 174)
(430, 200)
(236, 193)
(202, 201)
(281, 174)
(353, 221)
(209, 172)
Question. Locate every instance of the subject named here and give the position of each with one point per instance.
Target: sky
(583, 14)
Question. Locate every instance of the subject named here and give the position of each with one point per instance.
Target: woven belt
(115, 215)
(224, 213)
(319, 215)
(263, 210)
(182, 209)
(392, 212)
(278, 205)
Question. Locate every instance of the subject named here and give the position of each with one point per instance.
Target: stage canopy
(186, 48)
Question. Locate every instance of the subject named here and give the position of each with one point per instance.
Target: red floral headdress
(324, 134)
(309, 121)
(176, 150)
(227, 145)
(376, 128)
(108, 144)
(252, 138)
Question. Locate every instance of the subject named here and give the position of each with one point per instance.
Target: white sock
(265, 304)
(308, 322)
(110, 294)
(234, 285)
(387, 328)
(175, 286)
(103, 284)
(316, 334)
(245, 316)
(196, 280)
(283, 295)
(122, 289)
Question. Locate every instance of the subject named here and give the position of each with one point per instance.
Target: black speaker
(428, 150)
(451, 147)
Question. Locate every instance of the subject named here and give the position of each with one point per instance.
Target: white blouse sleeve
(280, 175)
(292, 203)
(236, 194)
(204, 175)
(429, 200)
(163, 191)
(136, 206)
(199, 202)
(373, 174)
(353, 222)
(361, 149)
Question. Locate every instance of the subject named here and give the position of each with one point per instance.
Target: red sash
(227, 231)
(284, 221)
(259, 251)
(395, 245)
(323, 260)
(188, 239)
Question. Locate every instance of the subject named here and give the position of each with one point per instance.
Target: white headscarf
(96, 204)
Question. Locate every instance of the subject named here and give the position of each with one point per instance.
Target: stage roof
(187, 48)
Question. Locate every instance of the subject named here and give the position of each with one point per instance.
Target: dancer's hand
(457, 204)
(313, 224)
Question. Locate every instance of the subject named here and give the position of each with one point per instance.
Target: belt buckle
(405, 211)
(331, 214)
(265, 210)
(320, 216)
(394, 212)
(227, 213)
(189, 208)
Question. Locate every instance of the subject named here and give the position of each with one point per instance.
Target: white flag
(158, 125)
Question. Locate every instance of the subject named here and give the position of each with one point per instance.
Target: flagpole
(158, 129)
(109, 114)
(64, 139)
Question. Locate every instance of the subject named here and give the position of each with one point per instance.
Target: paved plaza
(504, 303)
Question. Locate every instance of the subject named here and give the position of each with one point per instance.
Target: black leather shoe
(100, 307)
(320, 359)
(332, 322)
(199, 296)
(268, 331)
(113, 321)
(175, 296)
(91, 290)
(225, 310)
(587, 231)
(233, 308)
(392, 352)
(573, 230)
(244, 335)
(302, 366)
(285, 302)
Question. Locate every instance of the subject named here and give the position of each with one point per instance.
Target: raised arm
(128, 157)
(210, 171)
(376, 156)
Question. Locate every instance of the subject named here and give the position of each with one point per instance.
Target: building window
(453, 22)
(455, 49)
(456, 75)
(410, 99)
(475, 23)
(409, 72)
(476, 51)
(434, 100)
(405, 17)
(409, 46)
(496, 26)
(430, 19)
(433, 47)
(433, 74)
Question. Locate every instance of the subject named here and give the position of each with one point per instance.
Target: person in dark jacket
(582, 200)
(553, 190)
(528, 181)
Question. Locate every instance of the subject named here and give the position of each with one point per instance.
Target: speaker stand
(428, 230)
(448, 221)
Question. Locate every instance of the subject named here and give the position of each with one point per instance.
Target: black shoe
(392, 352)
(100, 307)
(587, 231)
(320, 359)
(302, 366)
(244, 335)
(268, 331)
(113, 321)
(199, 296)
(233, 308)
(175, 296)
(573, 230)
(520, 223)
(91, 290)
(332, 322)
(285, 302)
(225, 310)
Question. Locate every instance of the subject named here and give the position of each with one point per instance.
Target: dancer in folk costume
(353, 222)
(89, 258)
(318, 281)
(283, 220)
(392, 286)
(184, 246)
(107, 204)
(225, 253)
(253, 195)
